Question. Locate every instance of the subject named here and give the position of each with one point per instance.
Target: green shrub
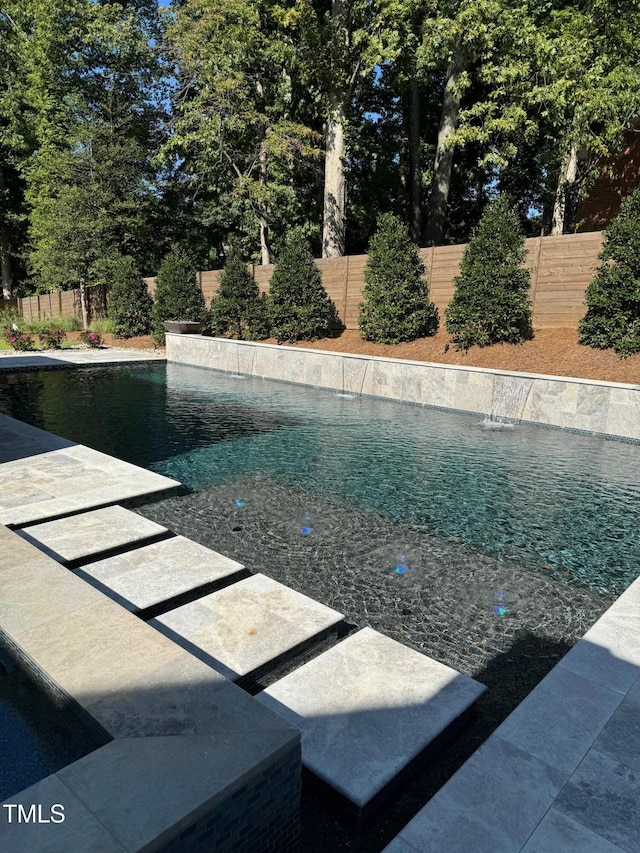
(177, 296)
(130, 303)
(18, 339)
(67, 324)
(491, 300)
(238, 310)
(91, 338)
(103, 326)
(395, 304)
(299, 308)
(613, 297)
(52, 337)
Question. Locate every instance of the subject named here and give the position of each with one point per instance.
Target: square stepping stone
(78, 537)
(155, 574)
(367, 709)
(246, 629)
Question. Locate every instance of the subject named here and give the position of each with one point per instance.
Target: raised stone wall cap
(182, 327)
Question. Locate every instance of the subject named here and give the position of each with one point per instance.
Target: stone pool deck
(65, 358)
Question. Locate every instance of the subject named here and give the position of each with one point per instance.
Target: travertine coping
(43, 476)
(367, 707)
(579, 404)
(184, 737)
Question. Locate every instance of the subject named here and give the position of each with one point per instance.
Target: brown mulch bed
(552, 351)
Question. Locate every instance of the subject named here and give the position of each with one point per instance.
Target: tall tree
(238, 123)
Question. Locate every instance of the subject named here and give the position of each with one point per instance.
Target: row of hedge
(490, 305)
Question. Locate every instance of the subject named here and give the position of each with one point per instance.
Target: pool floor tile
(89, 533)
(243, 628)
(366, 708)
(156, 573)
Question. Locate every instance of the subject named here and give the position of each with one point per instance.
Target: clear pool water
(556, 502)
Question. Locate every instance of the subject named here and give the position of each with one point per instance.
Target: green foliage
(491, 300)
(613, 297)
(178, 295)
(130, 303)
(238, 311)
(51, 337)
(396, 304)
(18, 339)
(91, 338)
(299, 307)
(103, 325)
(67, 324)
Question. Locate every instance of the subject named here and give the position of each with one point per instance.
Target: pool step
(157, 577)
(246, 630)
(87, 535)
(371, 710)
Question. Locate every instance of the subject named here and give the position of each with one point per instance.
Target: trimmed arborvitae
(299, 308)
(238, 310)
(396, 304)
(613, 297)
(491, 301)
(130, 303)
(178, 295)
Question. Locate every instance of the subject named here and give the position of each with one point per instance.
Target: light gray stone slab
(45, 476)
(559, 721)
(82, 535)
(608, 654)
(491, 805)
(96, 650)
(38, 591)
(367, 707)
(603, 794)
(558, 833)
(154, 573)
(80, 830)
(130, 784)
(243, 627)
(183, 697)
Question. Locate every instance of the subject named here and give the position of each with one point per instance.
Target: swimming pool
(490, 551)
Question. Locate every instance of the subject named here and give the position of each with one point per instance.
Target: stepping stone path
(246, 629)
(157, 573)
(82, 536)
(367, 708)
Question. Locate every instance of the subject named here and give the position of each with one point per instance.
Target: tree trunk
(414, 161)
(335, 195)
(83, 304)
(443, 162)
(263, 213)
(565, 191)
(5, 256)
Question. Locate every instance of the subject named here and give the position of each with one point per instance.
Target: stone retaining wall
(590, 406)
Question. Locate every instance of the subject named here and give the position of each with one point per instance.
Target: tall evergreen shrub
(491, 301)
(130, 303)
(238, 309)
(396, 304)
(613, 297)
(299, 308)
(178, 295)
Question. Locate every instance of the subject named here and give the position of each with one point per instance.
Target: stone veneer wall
(579, 404)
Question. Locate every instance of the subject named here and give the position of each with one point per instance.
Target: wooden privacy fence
(64, 303)
(561, 268)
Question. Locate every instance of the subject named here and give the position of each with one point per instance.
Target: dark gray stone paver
(558, 833)
(367, 707)
(603, 794)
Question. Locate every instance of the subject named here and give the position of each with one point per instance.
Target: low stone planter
(182, 327)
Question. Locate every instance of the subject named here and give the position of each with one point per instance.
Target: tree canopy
(126, 128)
